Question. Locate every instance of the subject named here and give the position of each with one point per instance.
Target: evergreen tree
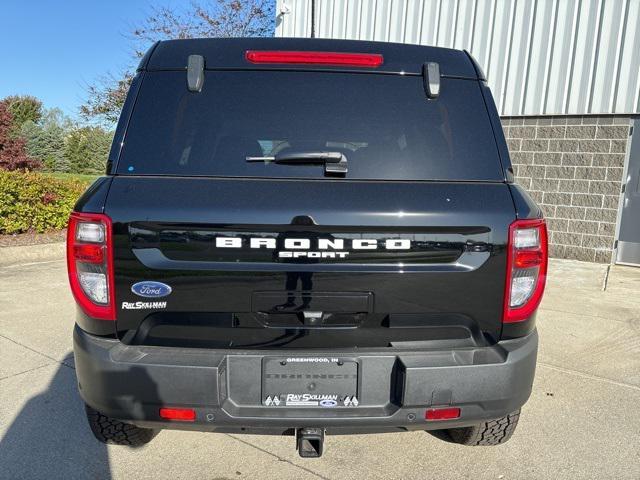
(87, 149)
(45, 140)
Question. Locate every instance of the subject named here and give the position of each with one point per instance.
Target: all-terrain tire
(114, 432)
(493, 432)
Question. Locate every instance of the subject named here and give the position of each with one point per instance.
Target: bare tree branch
(202, 19)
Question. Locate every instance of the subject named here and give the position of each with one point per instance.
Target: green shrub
(32, 202)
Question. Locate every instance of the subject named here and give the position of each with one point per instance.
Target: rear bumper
(130, 383)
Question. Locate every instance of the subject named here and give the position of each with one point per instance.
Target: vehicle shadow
(50, 437)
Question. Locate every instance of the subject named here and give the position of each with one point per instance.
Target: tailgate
(266, 263)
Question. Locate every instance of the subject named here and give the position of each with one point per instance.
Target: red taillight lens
(527, 255)
(446, 413)
(181, 414)
(370, 60)
(90, 264)
(527, 258)
(89, 253)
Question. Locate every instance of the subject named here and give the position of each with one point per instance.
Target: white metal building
(565, 75)
(541, 57)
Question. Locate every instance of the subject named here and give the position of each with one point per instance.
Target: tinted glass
(383, 124)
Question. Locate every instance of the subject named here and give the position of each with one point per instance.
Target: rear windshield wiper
(334, 162)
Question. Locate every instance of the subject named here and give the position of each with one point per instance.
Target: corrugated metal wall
(541, 57)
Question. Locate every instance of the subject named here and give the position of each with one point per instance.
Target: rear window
(383, 124)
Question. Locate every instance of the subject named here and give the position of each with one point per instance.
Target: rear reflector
(180, 414)
(446, 413)
(526, 269)
(370, 60)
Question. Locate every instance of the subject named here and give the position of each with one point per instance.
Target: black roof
(228, 53)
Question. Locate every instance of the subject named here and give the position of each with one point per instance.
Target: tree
(45, 140)
(220, 18)
(87, 149)
(213, 18)
(13, 155)
(23, 108)
(106, 98)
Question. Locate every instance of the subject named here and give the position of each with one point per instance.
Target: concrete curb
(31, 253)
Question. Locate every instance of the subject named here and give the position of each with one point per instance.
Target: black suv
(306, 236)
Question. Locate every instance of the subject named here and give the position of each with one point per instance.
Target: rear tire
(493, 432)
(111, 431)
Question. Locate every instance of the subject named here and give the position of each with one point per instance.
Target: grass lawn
(87, 178)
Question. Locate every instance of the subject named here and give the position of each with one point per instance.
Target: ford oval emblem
(328, 403)
(151, 289)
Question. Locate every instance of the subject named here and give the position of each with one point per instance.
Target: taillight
(526, 269)
(90, 264)
(370, 60)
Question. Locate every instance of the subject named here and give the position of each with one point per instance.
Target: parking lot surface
(582, 421)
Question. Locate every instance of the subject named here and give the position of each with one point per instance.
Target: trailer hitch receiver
(309, 442)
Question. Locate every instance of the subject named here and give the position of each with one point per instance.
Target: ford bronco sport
(304, 237)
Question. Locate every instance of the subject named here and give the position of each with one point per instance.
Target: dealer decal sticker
(143, 305)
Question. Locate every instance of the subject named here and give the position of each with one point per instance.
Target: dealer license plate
(309, 382)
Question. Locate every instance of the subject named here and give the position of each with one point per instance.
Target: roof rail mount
(431, 79)
(195, 73)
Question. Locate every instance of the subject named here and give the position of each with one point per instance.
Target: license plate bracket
(321, 382)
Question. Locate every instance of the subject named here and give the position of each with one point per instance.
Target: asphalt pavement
(582, 421)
